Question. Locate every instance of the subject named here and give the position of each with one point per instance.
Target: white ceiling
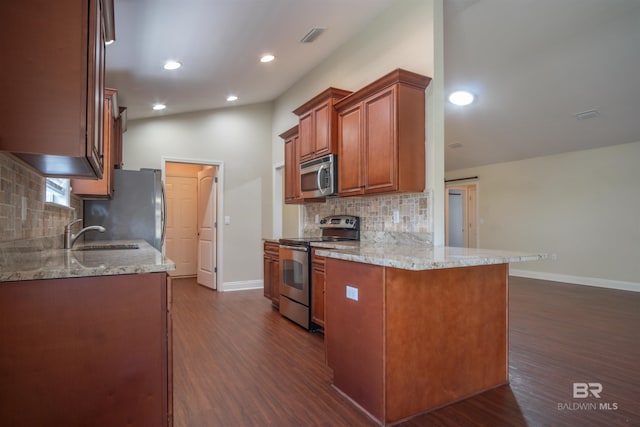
(220, 43)
(532, 64)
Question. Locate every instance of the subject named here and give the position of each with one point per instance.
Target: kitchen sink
(107, 246)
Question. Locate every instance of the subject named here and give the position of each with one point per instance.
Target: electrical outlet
(396, 216)
(554, 257)
(352, 293)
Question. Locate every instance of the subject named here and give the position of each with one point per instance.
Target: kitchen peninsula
(411, 328)
(86, 336)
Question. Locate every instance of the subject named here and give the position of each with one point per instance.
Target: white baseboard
(577, 280)
(242, 285)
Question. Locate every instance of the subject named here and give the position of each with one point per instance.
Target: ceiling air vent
(313, 34)
(587, 114)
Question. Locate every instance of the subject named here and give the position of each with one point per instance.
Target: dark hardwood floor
(237, 362)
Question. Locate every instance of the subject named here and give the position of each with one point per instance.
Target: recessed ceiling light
(461, 97)
(159, 107)
(232, 98)
(267, 58)
(172, 65)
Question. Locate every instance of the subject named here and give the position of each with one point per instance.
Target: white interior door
(206, 228)
(181, 222)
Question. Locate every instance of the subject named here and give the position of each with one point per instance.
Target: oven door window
(293, 273)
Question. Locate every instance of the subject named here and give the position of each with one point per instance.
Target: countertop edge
(436, 259)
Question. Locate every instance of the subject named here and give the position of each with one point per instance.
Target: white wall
(239, 137)
(583, 206)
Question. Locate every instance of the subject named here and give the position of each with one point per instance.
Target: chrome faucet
(70, 238)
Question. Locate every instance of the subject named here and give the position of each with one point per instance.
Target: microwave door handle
(318, 179)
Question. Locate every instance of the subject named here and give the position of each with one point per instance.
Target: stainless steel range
(295, 266)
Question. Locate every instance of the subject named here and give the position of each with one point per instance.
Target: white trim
(220, 213)
(578, 280)
(243, 285)
(276, 186)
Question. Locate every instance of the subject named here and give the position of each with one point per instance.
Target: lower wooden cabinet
(272, 272)
(86, 351)
(317, 289)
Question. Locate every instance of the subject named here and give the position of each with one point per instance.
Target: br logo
(584, 390)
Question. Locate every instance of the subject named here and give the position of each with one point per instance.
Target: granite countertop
(270, 240)
(64, 263)
(424, 257)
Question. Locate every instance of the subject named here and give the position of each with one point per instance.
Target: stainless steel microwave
(318, 177)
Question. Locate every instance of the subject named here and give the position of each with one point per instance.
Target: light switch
(396, 216)
(352, 293)
(227, 219)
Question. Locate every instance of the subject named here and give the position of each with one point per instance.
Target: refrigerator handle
(163, 216)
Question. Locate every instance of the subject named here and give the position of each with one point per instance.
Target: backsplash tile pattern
(43, 220)
(376, 214)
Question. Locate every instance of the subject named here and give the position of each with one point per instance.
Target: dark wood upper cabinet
(318, 124)
(291, 166)
(381, 136)
(52, 80)
(112, 145)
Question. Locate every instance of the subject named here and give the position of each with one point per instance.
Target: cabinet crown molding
(331, 92)
(397, 76)
(289, 133)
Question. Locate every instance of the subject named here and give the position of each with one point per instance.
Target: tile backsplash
(376, 214)
(42, 220)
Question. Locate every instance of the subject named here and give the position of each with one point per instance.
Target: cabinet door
(305, 135)
(291, 170)
(275, 282)
(350, 152)
(380, 148)
(103, 187)
(318, 290)
(267, 276)
(322, 129)
(95, 97)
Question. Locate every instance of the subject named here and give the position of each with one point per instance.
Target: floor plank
(237, 362)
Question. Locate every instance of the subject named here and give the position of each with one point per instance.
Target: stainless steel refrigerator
(136, 211)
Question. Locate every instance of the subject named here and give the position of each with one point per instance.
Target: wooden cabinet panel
(291, 165)
(55, 83)
(85, 351)
(323, 138)
(380, 152)
(354, 332)
(449, 325)
(271, 264)
(318, 124)
(102, 188)
(317, 289)
(350, 177)
(381, 136)
(306, 142)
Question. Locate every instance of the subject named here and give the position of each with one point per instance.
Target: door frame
(473, 216)
(219, 211)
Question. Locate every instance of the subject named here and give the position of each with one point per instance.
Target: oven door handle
(295, 248)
